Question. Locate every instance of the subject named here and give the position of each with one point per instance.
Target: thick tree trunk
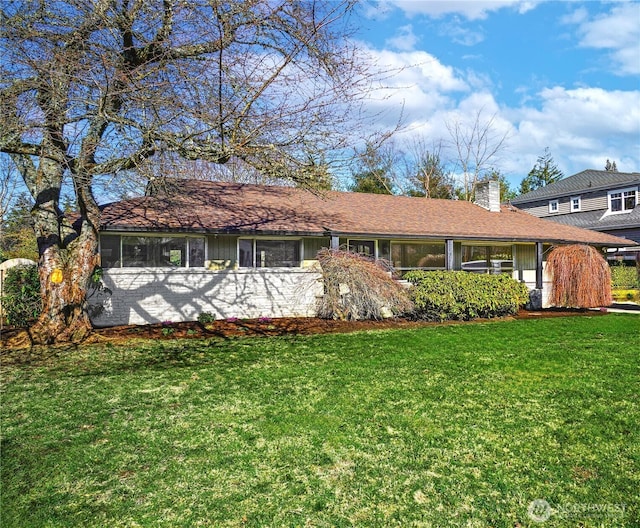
(68, 259)
(64, 278)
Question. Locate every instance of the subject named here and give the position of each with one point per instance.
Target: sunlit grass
(461, 425)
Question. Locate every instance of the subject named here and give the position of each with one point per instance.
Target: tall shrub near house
(581, 277)
(21, 302)
(625, 277)
(357, 287)
(460, 295)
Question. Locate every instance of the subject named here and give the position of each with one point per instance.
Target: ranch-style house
(248, 251)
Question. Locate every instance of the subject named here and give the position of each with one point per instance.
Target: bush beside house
(21, 303)
(459, 295)
(625, 277)
(625, 283)
(357, 287)
(581, 277)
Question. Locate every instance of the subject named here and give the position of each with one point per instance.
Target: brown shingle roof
(218, 207)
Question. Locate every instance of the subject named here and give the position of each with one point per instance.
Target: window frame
(620, 194)
(356, 240)
(554, 206)
(492, 265)
(187, 249)
(576, 208)
(419, 242)
(254, 240)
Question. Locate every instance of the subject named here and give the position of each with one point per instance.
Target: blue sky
(562, 75)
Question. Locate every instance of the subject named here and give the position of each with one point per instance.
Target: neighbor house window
(553, 206)
(576, 204)
(416, 255)
(623, 201)
(154, 252)
(264, 253)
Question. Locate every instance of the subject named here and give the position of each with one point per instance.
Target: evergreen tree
(506, 192)
(372, 173)
(430, 178)
(610, 167)
(544, 172)
(18, 234)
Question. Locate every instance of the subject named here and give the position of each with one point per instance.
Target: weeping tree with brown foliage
(581, 277)
(93, 89)
(358, 287)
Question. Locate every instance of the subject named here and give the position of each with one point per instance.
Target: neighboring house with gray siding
(603, 201)
(250, 250)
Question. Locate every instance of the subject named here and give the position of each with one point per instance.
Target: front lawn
(452, 425)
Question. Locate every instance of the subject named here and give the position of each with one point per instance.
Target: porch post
(449, 260)
(539, 283)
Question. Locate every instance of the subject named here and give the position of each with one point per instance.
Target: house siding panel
(223, 248)
(589, 202)
(524, 257)
(152, 295)
(595, 201)
(539, 209)
(631, 234)
(313, 245)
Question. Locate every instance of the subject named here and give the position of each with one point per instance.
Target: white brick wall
(151, 295)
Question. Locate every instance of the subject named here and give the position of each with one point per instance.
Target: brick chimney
(488, 195)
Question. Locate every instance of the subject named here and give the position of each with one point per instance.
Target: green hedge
(445, 295)
(21, 304)
(624, 277)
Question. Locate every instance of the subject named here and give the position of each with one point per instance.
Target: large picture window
(264, 253)
(110, 251)
(622, 201)
(487, 259)
(151, 252)
(415, 255)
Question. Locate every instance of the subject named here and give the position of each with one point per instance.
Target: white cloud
(405, 39)
(617, 31)
(470, 9)
(578, 16)
(420, 70)
(582, 128)
(458, 33)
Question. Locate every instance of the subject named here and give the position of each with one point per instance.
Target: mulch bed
(266, 327)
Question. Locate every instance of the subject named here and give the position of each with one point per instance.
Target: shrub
(357, 287)
(626, 295)
(21, 303)
(451, 295)
(581, 277)
(624, 277)
(206, 318)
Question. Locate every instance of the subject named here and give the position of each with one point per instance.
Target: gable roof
(231, 208)
(585, 181)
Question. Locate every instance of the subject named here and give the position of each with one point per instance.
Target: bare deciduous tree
(89, 90)
(8, 186)
(425, 171)
(477, 143)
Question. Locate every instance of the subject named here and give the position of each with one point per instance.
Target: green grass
(453, 425)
